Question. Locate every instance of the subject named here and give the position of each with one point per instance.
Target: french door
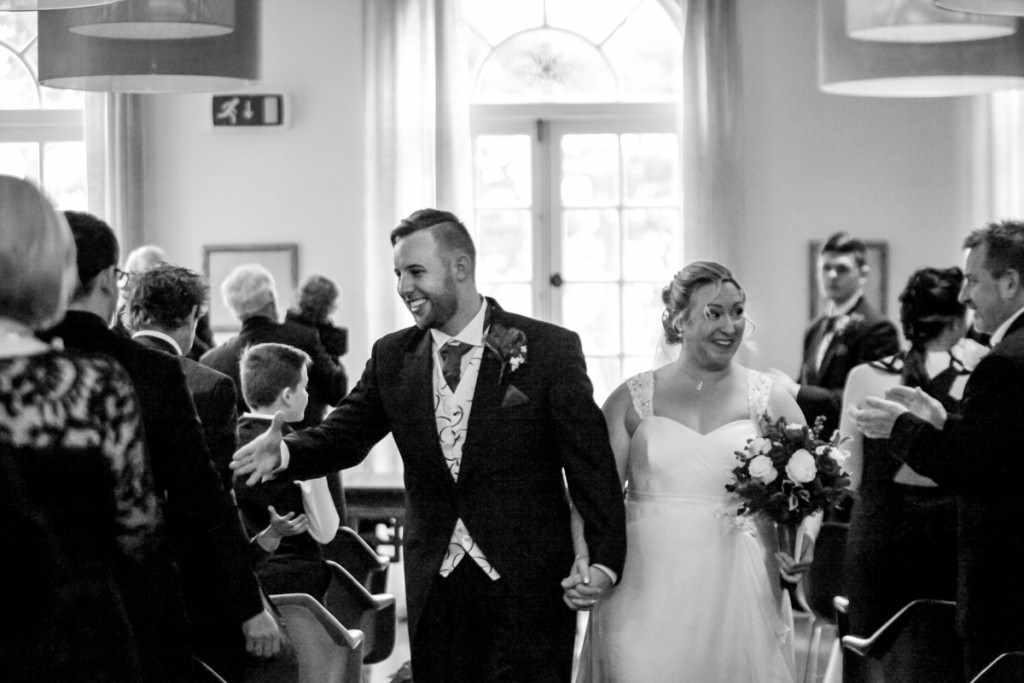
(578, 221)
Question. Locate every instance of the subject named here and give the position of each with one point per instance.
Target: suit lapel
(487, 396)
(417, 381)
(833, 344)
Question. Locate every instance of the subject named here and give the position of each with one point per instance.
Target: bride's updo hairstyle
(677, 294)
(928, 304)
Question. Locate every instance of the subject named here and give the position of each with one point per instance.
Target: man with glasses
(850, 332)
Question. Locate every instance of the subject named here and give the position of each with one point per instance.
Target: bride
(699, 596)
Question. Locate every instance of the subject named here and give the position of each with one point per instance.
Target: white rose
(759, 446)
(761, 467)
(801, 467)
(839, 455)
(821, 450)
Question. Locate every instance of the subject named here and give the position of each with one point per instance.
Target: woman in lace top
(78, 507)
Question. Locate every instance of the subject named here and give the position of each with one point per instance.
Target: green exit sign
(235, 111)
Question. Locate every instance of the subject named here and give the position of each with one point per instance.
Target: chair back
(823, 581)
(349, 601)
(357, 557)
(1006, 668)
(320, 650)
(919, 643)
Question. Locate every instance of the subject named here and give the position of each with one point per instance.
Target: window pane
(496, 20)
(590, 170)
(593, 19)
(651, 243)
(17, 29)
(504, 245)
(634, 365)
(545, 65)
(647, 56)
(593, 312)
(605, 374)
(649, 166)
(641, 318)
(20, 159)
(515, 298)
(502, 171)
(17, 84)
(64, 174)
(590, 244)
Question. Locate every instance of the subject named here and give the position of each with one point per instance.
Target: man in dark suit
(850, 332)
(163, 307)
(206, 539)
(978, 453)
(249, 291)
(487, 535)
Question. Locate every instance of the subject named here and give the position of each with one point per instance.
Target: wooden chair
(320, 650)
(374, 614)
(919, 643)
(1006, 668)
(817, 590)
(357, 557)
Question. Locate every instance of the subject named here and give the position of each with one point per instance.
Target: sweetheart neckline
(691, 429)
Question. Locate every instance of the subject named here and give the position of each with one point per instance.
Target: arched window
(41, 129)
(576, 162)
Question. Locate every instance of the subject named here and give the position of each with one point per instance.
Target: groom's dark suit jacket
(524, 428)
(868, 336)
(980, 456)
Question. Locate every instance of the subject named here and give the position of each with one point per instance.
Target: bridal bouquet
(789, 472)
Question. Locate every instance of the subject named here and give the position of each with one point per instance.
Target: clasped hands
(875, 416)
(585, 585)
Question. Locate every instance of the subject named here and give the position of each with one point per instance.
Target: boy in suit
(274, 379)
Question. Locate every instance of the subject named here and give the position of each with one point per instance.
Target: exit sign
(248, 110)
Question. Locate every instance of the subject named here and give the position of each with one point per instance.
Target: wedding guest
(225, 607)
(488, 409)
(274, 378)
(849, 333)
(78, 513)
(976, 454)
(902, 539)
(250, 293)
(164, 307)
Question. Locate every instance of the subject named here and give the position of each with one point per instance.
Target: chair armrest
(354, 606)
(351, 638)
(877, 642)
(841, 603)
(1006, 667)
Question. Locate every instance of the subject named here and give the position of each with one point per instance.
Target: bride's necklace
(699, 381)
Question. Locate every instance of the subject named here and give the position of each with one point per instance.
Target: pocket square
(514, 397)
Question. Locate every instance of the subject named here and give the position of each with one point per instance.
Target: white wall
(302, 183)
(891, 169)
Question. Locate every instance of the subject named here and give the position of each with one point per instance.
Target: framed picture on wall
(876, 289)
(282, 260)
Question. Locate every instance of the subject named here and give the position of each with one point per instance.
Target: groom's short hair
(446, 227)
(844, 243)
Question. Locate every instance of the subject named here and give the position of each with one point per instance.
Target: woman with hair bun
(698, 600)
(902, 542)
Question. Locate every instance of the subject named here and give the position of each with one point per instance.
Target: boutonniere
(509, 344)
(848, 321)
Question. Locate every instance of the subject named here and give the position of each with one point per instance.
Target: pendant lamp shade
(225, 62)
(920, 21)
(1009, 8)
(157, 19)
(883, 69)
(36, 5)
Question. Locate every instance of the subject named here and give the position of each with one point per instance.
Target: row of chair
(919, 642)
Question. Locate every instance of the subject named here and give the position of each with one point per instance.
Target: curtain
(712, 185)
(417, 133)
(113, 143)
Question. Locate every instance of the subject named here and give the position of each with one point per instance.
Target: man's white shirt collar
(156, 334)
(1000, 332)
(844, 308)
(472, 333)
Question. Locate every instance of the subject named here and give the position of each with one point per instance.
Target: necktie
(451, 359)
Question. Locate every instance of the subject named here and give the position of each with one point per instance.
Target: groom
(487, 408)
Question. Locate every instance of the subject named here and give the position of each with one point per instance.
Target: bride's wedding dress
(696, 602)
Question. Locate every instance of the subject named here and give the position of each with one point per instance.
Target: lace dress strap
(641, 390)
(759, 390)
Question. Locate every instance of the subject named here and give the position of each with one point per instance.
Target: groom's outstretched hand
(584, 586)
(261, 457)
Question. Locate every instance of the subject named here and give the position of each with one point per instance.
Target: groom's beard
(439, 307)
